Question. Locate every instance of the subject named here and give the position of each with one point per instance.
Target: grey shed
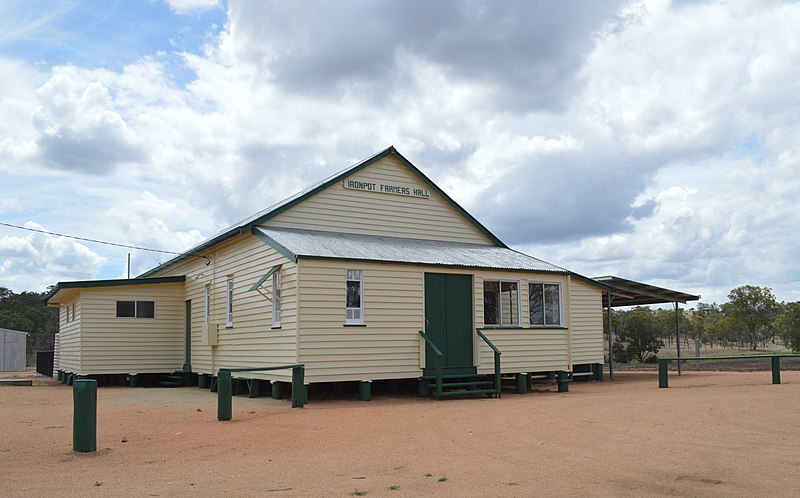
(13, 349)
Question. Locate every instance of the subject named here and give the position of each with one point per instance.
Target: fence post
(84, 417)
(662, 373)
(224, 388)
(298, 387)
(776, 369)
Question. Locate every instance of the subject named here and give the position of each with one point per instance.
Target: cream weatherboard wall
(110, 345)
(388, 346)
(340, 209)
(69, 332)
(586, 322)
(525, 349)
(252, 341)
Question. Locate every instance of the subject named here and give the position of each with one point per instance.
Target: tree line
(751, 318)
(27, 312)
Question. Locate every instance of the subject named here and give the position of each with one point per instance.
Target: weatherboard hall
(372, 276)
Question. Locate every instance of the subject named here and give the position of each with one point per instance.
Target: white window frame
(350, 313)
(500, 282)
(229, 303)
(207, 304)
(542, 283)
(276, 299)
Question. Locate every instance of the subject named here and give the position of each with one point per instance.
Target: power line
(56, 234)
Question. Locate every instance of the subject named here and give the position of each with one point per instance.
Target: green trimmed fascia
(590, 281)
(264, 278)
(360, 166)
(83, 284)
(274, 244)
(247, 227)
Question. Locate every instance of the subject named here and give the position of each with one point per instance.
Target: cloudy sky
(654, 140)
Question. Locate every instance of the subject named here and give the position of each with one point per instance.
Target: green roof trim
(264, 278)
(85, 284)
(246, 226)
(274, 244)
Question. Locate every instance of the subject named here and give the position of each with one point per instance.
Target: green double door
(448, 322)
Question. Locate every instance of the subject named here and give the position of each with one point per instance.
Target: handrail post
(663, 382)
(224, 395)
(776, 369)
(438, 376)
(497, 353)
(298, 387)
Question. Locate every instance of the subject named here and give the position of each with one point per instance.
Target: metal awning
(632, 293)
(264, 278)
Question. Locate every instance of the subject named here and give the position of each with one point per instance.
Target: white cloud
(34, 261)
(191, 6)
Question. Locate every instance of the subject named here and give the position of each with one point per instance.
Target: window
(136, 309)
(67, 313)
(500, 303)
(276, 299)
(207, 304)
(73, 311)
(355, 298)
(229, 303)
(544, 303)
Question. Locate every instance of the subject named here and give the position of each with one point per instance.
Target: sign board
(387, 188)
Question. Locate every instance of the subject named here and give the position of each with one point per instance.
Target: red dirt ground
(710, 434)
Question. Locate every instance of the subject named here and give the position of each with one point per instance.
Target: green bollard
(562, 378)
(598, 372)
(776, 369)
(84, 416)
(663, 382)
(522, 383)
(70, 379)
(224, 402)
(298, 387)
(253, 388)
(277, 389)
(365, 390)
(203, 381)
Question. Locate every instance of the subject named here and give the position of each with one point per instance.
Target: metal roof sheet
(632, 293)
(296, 243)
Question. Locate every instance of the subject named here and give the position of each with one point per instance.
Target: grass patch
(442, 478)
(358, 492)
(394, 487)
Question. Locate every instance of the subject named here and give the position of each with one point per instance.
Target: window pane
(353, 274)
(536, 304)
(353, 293)
(509, 303)
(491, 303)
(126, 309)
(552, 305)
(145, 309)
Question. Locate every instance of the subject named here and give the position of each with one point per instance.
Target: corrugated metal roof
(632, 293)
(334, 245)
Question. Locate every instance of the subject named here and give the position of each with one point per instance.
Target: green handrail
(497, 354)
(225, 381)
(438, 365)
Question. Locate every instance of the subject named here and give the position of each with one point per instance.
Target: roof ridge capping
(246, 225)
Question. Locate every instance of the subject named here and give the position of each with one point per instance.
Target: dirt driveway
(710, 434)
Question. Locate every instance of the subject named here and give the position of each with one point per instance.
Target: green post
(522, 383)
(213, 386)
(70, 379)
(365, 390)
(776, 369)
(561, 380)
(497, 380)
(84, 417)
(253, 387)
(422, 388)
(224, 402)
(663, 382)
(133, 380)
(59, 376)
(277, 389)
(298, 387)
(598, 372)
(203, 381)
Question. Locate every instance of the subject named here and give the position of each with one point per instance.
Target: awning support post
(678, 334)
